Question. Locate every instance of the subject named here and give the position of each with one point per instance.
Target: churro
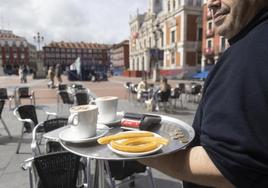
(144, 140)
(124, 135)
(134, 148)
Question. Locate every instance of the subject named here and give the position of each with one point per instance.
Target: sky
(100, 21)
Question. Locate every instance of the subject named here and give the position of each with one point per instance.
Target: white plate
(67, 136)
(130, 154)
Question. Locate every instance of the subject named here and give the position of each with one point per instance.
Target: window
(210, 25)
(209, 43)
(162, 38)
(174, 4)
(173, 58)
(223, 44)
(168, 6)
(173, 36)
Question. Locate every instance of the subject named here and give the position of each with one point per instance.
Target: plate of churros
(134, 143)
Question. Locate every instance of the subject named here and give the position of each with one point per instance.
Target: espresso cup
(83, 121)
(107, 107)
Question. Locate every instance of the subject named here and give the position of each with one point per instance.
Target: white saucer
(131, 154)
(116, 120)
(67, 135)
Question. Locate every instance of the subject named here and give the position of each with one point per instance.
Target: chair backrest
(52, 124)
(164, 95)
(175, 93)
(65, 97)
(82, 97)
(196, 89)
(23, 92)
(28, 112)
(77, 86)
(62, 87)
(181, 86)
(57, 170)
(127, 85)
(3, 93)
(2, 104)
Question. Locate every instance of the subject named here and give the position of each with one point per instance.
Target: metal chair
(62, 87)
(121, 170)
(46, 126)
(25, 93)
(163, 98)
(2, 104)
(82, 97)
(54, 170)
(27, 115)
(176, 95)
(66, 98)
(4, 96)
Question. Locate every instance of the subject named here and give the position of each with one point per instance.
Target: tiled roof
(76, 45)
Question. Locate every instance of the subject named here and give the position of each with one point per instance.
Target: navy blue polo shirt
(231, 122)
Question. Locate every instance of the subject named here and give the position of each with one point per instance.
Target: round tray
(167, 128)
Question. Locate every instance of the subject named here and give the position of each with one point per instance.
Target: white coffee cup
(107, 107)
(83, 121)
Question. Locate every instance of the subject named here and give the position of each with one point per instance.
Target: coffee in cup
(107, 107)
(83, 120)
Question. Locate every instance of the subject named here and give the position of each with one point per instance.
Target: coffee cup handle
(71, 119)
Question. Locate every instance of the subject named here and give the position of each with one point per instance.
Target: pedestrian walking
(24, 73)
(58, 72)
(51, 76)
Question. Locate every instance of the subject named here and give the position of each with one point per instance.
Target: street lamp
(39, 40)
(39, 69)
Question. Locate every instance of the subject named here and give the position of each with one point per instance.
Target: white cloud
(103, 21)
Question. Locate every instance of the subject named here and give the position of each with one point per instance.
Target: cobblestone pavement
(11, 175)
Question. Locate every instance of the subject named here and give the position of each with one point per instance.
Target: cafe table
(179, 134)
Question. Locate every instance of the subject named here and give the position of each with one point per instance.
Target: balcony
(209, 51)
(210, 33)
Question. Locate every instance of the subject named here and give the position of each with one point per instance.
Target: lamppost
(39, 69)
(39, 40)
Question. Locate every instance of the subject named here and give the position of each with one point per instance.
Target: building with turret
(166, 40)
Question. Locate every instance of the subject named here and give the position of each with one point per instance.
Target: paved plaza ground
(12, 176)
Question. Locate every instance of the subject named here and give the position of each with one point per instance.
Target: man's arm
(192, 165)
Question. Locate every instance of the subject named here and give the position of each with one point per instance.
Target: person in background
(58, 72)
(21, 74)
(24, 73)
(230, 148)
(142, 86)
(51, 76)
(164, 86)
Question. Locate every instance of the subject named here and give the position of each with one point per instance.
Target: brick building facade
(65, 53)
(15, 51)
(119, 57)
(213, 45)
